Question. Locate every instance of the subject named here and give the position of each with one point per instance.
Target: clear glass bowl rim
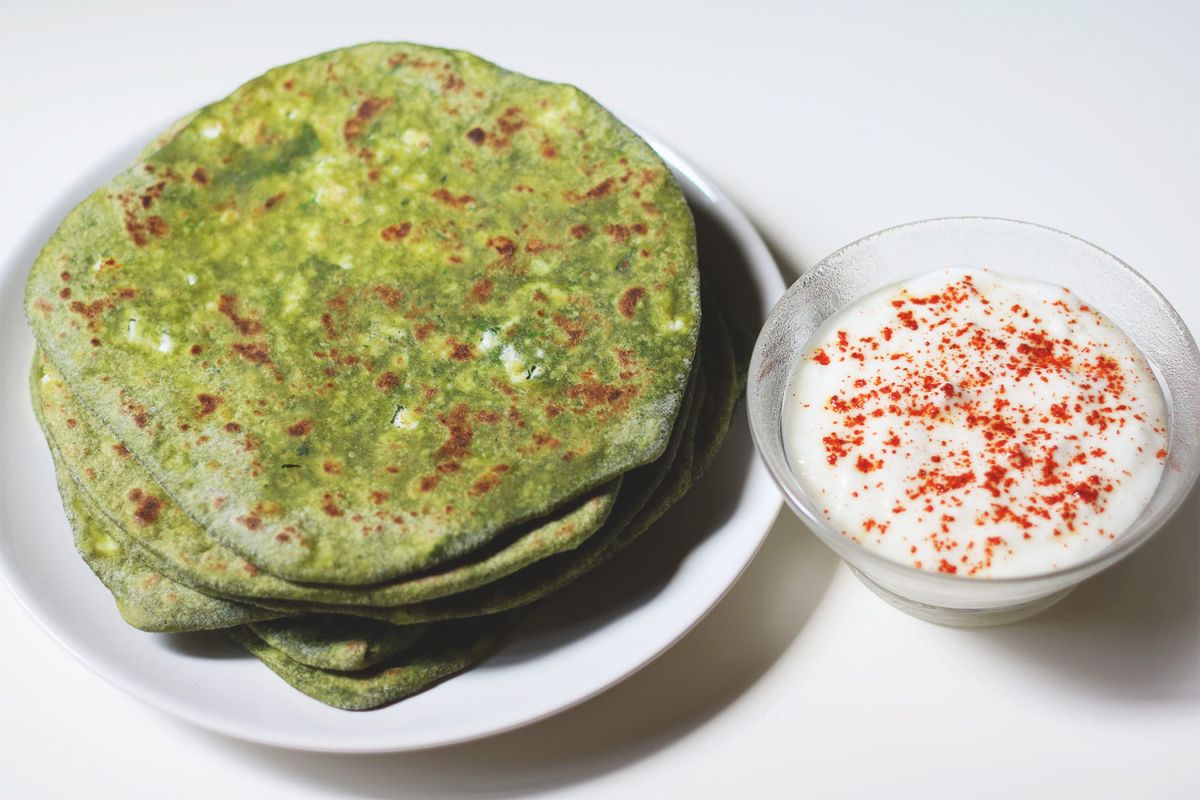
(782, 474)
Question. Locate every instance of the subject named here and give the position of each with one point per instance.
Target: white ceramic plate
(580, 642)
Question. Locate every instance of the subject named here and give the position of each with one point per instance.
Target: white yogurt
(975, 424)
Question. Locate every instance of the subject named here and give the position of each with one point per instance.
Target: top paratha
(377, 306)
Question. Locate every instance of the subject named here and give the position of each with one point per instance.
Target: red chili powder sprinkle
(947, 366)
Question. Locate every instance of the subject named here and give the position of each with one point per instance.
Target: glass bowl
(1007, 247)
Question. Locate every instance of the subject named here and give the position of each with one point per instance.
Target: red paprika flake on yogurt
(976, 424)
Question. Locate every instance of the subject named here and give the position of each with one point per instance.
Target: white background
(825, 121)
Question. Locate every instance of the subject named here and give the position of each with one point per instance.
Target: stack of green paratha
(367, 356)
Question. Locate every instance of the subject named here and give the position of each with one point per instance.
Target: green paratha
(170, 540)
(405, 299)
(716, 400)
(337, 643)
(146, 599)
(695, 446)
(697, 442)
(651, 491)
(447, 651)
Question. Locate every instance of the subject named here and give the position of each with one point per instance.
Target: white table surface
(825, 121)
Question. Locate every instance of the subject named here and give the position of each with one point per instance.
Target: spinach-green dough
(695, 445)
(363, 358)
(447, 651)
(167, 538)
(146, 598)
(345, 644)
(651, 493)
(378, 306)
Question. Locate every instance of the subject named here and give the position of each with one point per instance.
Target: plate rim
(765, 274)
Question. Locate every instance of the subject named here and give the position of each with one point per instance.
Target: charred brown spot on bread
(146, 507)
(618, 233)
(387, 381)
(250, 522)
(602, 189)
(330, 507)
(484, 485)
(594, 394)
(396, 232)
(573, 328)
(459, 434)
(390, 297)
(366, 110)
(301, 427)
(227, 305)
(538, 246)
(273, 201)
(93, 311)
(454, 201)
(208, 404)
(629, 300)
(460, 351)
(481, 290)
(253, 352)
